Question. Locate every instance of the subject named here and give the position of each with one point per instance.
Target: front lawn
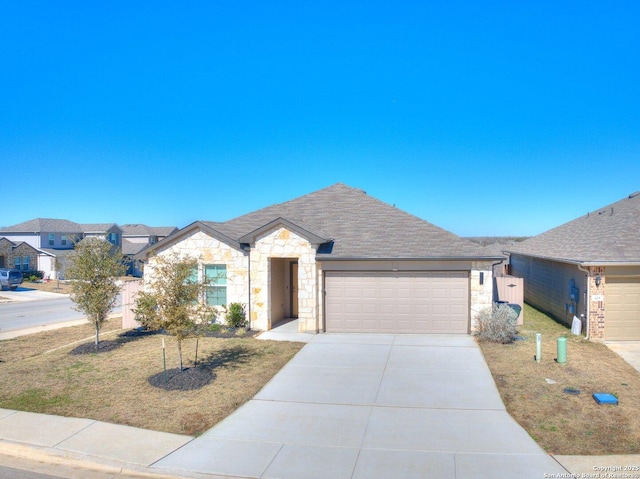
(561, 422)
(38, 373)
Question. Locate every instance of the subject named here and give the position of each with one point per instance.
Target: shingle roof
(608, 235)
(44, 225)
(144, 230)
(98, 227)
(360, 226)
(131, 248)
(60, 253)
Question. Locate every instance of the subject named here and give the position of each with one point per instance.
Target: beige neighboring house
(339, 260)
(589, 266)
(136, 237)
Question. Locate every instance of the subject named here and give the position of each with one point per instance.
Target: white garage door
(416, 302)
(622, 308)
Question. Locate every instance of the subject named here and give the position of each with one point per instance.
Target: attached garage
(397, 302)
(622, 308)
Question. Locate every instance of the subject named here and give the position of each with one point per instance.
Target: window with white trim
(216, 276)
(63, 240)
(52, 239)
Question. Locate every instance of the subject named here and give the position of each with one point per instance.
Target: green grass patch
(36, 400)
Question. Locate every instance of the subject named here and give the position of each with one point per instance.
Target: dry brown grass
(38, 374)
(562, 423)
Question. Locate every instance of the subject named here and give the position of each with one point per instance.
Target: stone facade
(481, 294)
(9, 251)
(596, 308)
(282, 243)
(209, 251)
(278, 277)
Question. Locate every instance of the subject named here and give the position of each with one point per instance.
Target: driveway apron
(359, 406)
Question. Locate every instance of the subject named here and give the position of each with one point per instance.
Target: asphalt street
(18, 313)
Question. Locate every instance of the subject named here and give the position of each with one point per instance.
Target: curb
(57, 458)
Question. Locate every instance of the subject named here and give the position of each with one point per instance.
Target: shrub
(497, 324)
(32, 276)
(235, 315)
(145, 311)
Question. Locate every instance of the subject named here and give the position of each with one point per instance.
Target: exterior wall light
(598, 281)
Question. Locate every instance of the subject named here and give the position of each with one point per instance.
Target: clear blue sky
(484, 118)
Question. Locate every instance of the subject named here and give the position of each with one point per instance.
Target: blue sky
(484, 118)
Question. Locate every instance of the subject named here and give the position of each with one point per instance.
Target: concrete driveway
(627, 350)
(363, 406)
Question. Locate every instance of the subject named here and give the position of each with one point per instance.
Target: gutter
(423, 258)
(577, 262)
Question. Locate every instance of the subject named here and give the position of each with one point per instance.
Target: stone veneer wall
(282, 243)
(596, 308)
(209, 250)
(481, 294)
(10, 251)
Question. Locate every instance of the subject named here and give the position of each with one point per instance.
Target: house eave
(415, 258)
(579, 262)
(197, 225)
(313, 238)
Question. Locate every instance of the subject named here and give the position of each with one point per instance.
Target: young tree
(93, 269)
(173, 299)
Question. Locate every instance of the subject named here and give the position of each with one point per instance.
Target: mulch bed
(187, 380)
(90, 348)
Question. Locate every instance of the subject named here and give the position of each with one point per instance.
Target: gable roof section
(211, 228)
(608, 235)
(44, 225)
(130, 248)
(97, 228)
(362, 227)
(144, 230)
(298, 228)
(357, 225)
(22, 243)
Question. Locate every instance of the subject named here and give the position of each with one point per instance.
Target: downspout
(247, 249)
(587, 296)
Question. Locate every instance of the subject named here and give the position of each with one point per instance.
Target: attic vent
(634, 194)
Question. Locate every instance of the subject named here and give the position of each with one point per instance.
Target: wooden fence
(511, 290)
(129, 292)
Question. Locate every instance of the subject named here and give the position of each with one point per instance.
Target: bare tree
(93, 270)
(173, 299)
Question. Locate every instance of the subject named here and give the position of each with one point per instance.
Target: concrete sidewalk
(346, 406)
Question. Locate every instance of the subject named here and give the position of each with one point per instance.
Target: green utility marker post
(562, 350)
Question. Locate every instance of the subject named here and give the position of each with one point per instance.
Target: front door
(294, 290)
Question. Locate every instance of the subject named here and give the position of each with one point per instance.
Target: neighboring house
(339, 260)
(21, 255)
(106, 231)
(55, 238)
(588, 266)
(136, 237)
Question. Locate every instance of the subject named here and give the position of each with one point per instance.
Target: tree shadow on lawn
(199, 376)
(106, 345)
